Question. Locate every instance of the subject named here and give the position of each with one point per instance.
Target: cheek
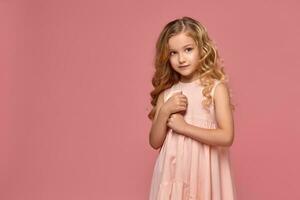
(172, 61)
(195, 56)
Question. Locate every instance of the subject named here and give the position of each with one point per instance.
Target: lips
(183, 66)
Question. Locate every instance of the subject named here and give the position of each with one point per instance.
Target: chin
(186, 73)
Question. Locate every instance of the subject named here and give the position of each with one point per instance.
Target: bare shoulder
(222, 105)
(221, 93)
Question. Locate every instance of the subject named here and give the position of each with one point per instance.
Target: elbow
(228, 143)
(153, 145)
(156, 147)
(229, 140)
(228, 137)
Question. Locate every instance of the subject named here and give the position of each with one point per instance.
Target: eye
(190, 49)
(171, 53)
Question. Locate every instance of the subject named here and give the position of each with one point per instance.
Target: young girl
(192, 120)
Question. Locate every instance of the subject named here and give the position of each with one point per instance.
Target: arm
(159, 125)
(224, 134)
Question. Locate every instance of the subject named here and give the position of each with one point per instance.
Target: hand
(176, 103)
(177, 123)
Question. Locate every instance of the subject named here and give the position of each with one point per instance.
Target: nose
(181, 58)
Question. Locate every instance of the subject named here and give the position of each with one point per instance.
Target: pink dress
(186, 169)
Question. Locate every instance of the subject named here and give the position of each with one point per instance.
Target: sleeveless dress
(187, 169)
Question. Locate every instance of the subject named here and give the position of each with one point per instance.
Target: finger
(178, 92)
(184, 96)
(181, 97)
(182, 104)
(183, 101)
(182, 108)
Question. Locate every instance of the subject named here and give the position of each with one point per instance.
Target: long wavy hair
(210, 67)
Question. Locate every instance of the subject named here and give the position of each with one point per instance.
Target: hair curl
(209, 67)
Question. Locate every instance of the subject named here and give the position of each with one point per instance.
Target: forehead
(179, 41)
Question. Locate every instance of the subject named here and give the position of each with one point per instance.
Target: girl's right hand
(176, 103)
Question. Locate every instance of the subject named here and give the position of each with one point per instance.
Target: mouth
(183, 66)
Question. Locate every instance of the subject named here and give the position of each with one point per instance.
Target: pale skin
(169, 114)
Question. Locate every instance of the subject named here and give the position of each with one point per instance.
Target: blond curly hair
(209, 67)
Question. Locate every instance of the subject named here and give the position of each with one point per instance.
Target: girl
(192, 122)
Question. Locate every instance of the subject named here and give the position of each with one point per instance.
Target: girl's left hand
(177, 123)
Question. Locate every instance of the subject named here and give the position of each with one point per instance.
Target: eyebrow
(183, 46)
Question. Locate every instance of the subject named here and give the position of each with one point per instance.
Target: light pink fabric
(186, 169)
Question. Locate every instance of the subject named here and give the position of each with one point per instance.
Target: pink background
(75, 81)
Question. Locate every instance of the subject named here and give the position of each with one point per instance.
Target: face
(184, 54)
